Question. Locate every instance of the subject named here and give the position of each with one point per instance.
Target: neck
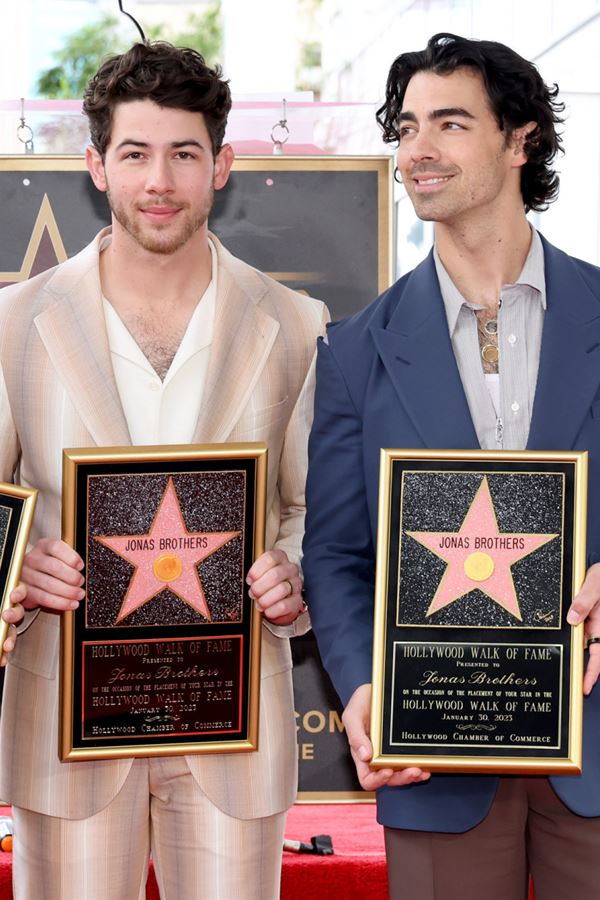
(483, 258)
(134, 277)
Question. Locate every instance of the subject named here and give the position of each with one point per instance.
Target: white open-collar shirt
(156, 411)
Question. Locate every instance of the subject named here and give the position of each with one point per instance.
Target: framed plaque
(162, 657)
(17, 505)
(479, 556)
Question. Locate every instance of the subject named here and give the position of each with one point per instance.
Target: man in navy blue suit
(493, 342)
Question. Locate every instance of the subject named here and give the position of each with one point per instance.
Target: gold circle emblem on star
(167, 567)
(478, 566)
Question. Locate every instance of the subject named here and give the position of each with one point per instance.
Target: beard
(166, 238)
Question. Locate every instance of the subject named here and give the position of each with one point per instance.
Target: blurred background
(328, 59)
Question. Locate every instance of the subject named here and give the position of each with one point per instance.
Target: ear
(517, 141)
(93, 161)
(223, 163)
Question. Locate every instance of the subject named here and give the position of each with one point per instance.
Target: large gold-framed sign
(479, 556)
(163, 655)
(319, 224)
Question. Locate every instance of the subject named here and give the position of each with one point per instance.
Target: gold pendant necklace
(487, 332)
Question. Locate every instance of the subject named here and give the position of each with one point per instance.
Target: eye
(184, 154)
(134, 155)
(405, 130)
(453, 126)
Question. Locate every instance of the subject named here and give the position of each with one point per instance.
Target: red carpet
(356, 871)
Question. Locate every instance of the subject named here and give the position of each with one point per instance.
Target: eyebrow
(438, 114)
(175, 145)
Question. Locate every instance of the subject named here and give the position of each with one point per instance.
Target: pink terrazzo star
(479, 556)
(166, 557)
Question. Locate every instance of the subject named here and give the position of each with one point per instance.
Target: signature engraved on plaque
(479, 556)
(168, 555)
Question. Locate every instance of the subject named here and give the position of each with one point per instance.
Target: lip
(160, 213)
(426, 183)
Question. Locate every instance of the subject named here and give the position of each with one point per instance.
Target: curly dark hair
(517, 95)
(176, 77)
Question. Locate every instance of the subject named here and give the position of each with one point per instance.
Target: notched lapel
(243, 336)
(73, 331)
(569, 371)
(417, 353)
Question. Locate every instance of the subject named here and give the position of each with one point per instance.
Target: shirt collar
(532, 276)
(198, 334)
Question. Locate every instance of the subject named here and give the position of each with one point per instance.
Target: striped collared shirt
(520, 322)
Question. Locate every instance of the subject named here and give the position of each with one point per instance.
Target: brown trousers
(527, 831)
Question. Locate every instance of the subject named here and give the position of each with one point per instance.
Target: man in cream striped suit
(153, 334)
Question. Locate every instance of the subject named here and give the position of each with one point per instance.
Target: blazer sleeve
(292, 478)
(339, 560)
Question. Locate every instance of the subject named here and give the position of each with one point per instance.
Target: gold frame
(19, 548)
(325, 797)
(382, 165)
(469, 763)
(159, 454)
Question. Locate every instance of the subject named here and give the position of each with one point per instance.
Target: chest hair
(158, 337)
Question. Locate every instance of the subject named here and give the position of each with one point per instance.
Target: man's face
(159, 174)
(452, 156)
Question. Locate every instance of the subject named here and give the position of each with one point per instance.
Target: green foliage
(81, 55)
(85, 49)
(310, 55)
(204, 33)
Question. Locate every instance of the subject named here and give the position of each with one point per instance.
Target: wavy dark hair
(176, 77)
(517, 95)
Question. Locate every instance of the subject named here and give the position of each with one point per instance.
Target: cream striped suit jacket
(58, 390)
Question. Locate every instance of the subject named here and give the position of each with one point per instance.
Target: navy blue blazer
(387, 377)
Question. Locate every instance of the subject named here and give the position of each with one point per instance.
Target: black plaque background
(499, 634)
(167, 632)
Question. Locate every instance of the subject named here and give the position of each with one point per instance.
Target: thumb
(358, 737)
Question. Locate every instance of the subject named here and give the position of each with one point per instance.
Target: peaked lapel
(73, 331)
(569, 372)
(243, 336)
(416, 350)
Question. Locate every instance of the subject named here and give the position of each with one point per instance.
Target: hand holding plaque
(475, 666)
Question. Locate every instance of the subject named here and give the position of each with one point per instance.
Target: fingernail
(74, 605)
(251, 595)
(363, 753)
(573, 618)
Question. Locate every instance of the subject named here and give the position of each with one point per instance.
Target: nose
(159, 178)
(422, 146)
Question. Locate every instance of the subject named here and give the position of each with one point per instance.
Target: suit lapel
(569, 372)
(243, 336)
(416, 350)
(73, 331)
